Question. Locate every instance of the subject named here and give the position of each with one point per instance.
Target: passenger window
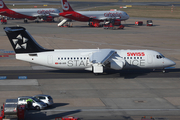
(137, 57)
(65, 58)
(61, 58)
(127, 57)
(134, 57)
(130, 57)
(124, 57)
(140, 57)
(74, 58)
(77, 58)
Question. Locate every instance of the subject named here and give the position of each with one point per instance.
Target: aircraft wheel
(37, 108)
(25, 21)
(164, 71)
(96, 74)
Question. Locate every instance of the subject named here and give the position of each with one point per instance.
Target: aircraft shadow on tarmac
(55, 105)
(127, 74)
(42, 115)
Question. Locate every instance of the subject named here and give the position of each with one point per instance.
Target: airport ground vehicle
(37, 104)
(113, 24)
(45, 98)
(3, 21)
(139, 23)
(67, 118)
(149, 23)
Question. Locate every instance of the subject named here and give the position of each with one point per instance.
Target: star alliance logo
(24, 42)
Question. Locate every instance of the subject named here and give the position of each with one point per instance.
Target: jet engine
(117, 64)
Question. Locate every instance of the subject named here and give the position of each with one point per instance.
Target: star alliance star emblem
(24, 41)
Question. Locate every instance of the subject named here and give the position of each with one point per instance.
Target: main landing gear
(25, 20)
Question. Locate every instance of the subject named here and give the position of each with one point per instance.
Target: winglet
(22, 41)
(66, 6)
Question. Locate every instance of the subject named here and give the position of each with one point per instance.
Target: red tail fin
(2, 5)
(66, 6)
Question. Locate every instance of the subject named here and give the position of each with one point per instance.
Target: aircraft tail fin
(3, 5)
(66, 6)
(22, 41)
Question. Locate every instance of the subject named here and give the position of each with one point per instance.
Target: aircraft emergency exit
(46, 14)
(95, 60)
(88, 16)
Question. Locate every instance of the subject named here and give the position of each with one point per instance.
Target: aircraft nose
(168, 62)
(127, 16)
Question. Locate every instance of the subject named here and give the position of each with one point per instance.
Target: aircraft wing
(68, 15)
(40, 15)
(2, 12)
(102, 56)
(108, 18)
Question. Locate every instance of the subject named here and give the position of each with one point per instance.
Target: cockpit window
(159, 56)
(125, 13)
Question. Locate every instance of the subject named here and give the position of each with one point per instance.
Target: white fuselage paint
(35, 12)
(103, 15)
(79, 59)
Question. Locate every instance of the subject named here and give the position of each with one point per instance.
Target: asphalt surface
(72, 74)
(82, 5)
(116, 95)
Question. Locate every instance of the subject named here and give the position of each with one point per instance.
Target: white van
(37, 104)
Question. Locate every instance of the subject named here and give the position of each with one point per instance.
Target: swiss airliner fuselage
(80, 59)
(27, 49)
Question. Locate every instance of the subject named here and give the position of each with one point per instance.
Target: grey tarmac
(92, 97)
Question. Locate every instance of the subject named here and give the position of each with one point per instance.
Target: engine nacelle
(48, 18)
(117, 64)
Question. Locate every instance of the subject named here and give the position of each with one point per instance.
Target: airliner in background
(47, 14)
(88, 16)
(95, 60)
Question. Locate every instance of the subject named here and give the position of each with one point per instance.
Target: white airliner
(88, 16)
(46, 14)
(95, 60)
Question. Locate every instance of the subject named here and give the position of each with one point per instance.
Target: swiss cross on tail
(66, 7)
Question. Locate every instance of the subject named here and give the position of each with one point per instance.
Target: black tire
(38, 108)
(47, 105)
